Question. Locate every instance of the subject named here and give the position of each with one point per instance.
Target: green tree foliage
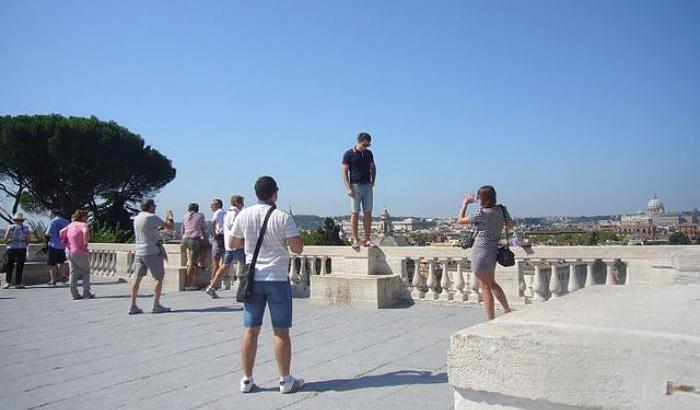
(100, 233)
(66, 163)
(328, 234)
(678, 238)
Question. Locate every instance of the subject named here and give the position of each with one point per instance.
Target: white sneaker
(291, 386)
(247, 385)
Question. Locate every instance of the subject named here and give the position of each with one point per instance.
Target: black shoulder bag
(506, 257)
(246, 279)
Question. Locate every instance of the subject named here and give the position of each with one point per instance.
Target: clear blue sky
(567, 107)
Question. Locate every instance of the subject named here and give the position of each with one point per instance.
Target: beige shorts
(154, 263)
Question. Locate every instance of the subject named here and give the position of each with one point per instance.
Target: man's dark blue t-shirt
(359, 165)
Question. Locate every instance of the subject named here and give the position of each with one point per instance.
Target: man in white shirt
(271, 282)
(230, 255)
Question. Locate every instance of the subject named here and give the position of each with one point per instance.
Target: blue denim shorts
(278, 295)
(363, 197)
(237, 254)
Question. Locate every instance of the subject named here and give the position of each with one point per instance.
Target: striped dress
(489, 224)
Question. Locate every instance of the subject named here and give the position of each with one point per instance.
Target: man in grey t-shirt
(148, 254)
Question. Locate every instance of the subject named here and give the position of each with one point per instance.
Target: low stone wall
(645, 264)
(603, 347)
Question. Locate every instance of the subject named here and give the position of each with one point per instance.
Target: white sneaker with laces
(291, 385)
(247, 385)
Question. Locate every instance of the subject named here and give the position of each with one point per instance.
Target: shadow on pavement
(220, 309)
(141, 296)
(398, 378)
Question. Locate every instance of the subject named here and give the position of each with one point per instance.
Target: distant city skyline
(567, 108)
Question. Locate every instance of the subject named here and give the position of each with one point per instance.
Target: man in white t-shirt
(271, 281)
(230, 255)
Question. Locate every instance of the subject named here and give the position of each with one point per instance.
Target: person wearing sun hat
(17, 240)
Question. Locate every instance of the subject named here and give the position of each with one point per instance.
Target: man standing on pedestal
(359, 174)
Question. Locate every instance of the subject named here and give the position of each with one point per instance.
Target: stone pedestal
(368, 291)
(365, 280)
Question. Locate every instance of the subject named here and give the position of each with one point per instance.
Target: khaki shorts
(154, 263)
(194, 249)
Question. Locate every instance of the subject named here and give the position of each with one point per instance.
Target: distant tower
(655, 206)
(387, 227)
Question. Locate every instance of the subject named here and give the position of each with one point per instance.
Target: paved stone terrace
(64, 354)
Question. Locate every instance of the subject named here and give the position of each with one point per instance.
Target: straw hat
(18, 217)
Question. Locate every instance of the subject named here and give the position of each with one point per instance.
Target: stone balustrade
(444, 273)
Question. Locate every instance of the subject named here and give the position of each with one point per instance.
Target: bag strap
(260, 238)
(505, 222)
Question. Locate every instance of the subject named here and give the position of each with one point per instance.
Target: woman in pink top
(193, 232)
(76, 237)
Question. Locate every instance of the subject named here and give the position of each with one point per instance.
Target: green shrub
(107, 234)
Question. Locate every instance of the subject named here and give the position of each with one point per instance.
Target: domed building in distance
(656, 221)
(655, 206)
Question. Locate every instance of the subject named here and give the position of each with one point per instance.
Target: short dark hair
(364, 137)
(265, 188)
(193, 207)
(487, 196)
(218, 202)
(236, 200)
(147, 203)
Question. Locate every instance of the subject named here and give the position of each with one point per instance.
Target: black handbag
(247, 277)
(506, 257)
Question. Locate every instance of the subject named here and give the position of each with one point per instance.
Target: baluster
(573, 280)
(114, 263)
(430, 283)
(609, 276)
(303, 278)
(525, 281)
(445, 282)
(98, 261)
(459, 294)
(417, 292)
(474, 295)
(312, 266)
(324, 265)
(292, 270)
(554, 281)
(538, 286)
(590, 278)
(627, 273)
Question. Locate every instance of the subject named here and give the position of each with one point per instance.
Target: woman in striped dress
(488, 222)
